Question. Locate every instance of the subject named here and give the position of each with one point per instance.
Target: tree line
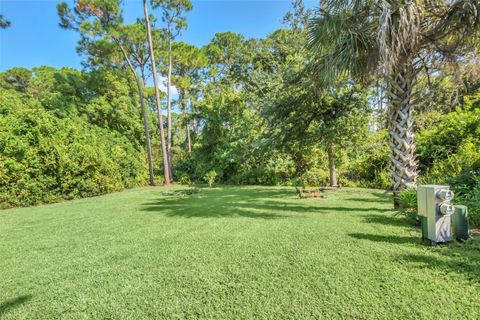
(350, 93)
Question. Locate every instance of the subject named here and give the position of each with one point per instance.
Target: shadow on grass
(369, 200)
(225, 206)
(380, 197)
(7, 305)
(388, 220)
(247, 192)
(251, 202)
(461, 258)
(206, 210)
(388, 239)
(224, 202)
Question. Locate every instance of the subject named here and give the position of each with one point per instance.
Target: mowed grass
(229, 253)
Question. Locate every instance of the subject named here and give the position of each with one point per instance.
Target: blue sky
(35, 39)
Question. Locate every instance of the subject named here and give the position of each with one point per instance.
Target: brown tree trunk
(185, 113)
(400, 124)
(147, 131)
(169, 109)
(331, 166)
(166, 168)
(144, 112)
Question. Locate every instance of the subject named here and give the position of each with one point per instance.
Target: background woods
(332, 98)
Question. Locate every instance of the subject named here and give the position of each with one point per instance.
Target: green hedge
(46, 158)
(449, 152)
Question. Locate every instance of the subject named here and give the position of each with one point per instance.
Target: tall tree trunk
(166, 168)
(169, 109)
(147, 131)
(400, 124)
(144, 112)
(331, 166)
(185, 113)
(142, 104)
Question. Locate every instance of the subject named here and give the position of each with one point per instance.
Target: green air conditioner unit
(435, 211)
(460, 223)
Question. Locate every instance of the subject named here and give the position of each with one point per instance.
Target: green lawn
(229, 252)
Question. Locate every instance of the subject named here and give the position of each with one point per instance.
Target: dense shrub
(408, 206)
(47, 156)
(314, 177)
(371, 159)
(449, 153)
(210, 177)
(267, 169)
(467, 192)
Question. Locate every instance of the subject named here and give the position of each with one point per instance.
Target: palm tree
(361, 38)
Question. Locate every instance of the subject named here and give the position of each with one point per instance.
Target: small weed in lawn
(181, 192)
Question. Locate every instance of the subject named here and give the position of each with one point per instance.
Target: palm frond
(340, 47)
(399, 33)
(454, 24)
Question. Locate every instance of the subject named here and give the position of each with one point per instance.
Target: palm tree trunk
(400, 124)
(331, 166)
(166, 168)
(169, 109)
(185, 112)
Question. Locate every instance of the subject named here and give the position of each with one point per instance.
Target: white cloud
(162, 85)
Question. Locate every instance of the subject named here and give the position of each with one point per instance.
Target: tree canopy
(379, 94)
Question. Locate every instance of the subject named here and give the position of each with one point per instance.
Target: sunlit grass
(229, 252)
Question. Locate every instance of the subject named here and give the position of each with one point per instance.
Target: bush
(452, 141)
(315, 178)
(210, 177)
(408, 205)
(44, 159)
(408, 199)
(472, 200)
(185, 180)
(47, 156)
(449, 153)
(467, 192)
(369, 167)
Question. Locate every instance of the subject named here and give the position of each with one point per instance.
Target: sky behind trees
(36, 39)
